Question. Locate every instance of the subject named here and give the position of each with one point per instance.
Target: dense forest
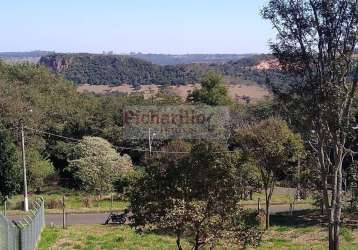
(99, 69)
(116, 69)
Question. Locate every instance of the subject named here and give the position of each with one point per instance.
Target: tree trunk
(338, 209)
(178, 243)
(331, 236)
(331, 214)
(334, 210)
(267, 209)
(197, 235)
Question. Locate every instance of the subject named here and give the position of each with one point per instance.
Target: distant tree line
(107, 69)
(166, 59)
(114, 69)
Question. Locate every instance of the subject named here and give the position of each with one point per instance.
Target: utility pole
(150, 142)
(26, 200)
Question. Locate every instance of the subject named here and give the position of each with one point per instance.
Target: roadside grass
(75, 201)
(347, 234)
(81, 202)
(48, 238)
(88, 237)
(278, 198)
(313, 237)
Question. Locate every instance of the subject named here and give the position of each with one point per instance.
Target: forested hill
(116, 69)
(99, 69)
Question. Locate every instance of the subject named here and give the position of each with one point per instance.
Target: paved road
(282, 208)
(99, 218)
(72, 219)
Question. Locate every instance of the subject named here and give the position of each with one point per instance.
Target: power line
(51, 134)
(117, 147)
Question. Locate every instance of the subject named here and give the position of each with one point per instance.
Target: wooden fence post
(111, 202)
(63, 213)
(5, 204)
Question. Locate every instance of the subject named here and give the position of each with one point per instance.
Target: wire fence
(23, 234)
(9, 234)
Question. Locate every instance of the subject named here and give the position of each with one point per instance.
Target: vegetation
(76, 201)
(38, 169)
(9, 168)
(212, 91)
(272, 148)
(280, 237)
(103, 237)
(316, 41)
(192, 193)
(200, 199)
(111, 69)
(163, 59)
(114, 69)
(96, 165)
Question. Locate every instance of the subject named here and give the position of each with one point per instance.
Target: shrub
(53, 204)
(88, 202)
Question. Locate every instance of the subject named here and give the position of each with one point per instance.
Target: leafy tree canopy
(10, 170)
(212, 91)
(96, 165)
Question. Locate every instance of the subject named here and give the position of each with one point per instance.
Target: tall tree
(38, 169)
(10, 171)
(212, 91)
(315, 43)
(272, 146)
(194, 195)
(96, 165)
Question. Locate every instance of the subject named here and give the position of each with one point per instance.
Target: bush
(53, 204)
(38, 169)
(125, 182)
(346, 233)
(14, 205)
(96, 165)
(88, 202)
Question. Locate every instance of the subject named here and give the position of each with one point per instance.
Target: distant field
(236, 91)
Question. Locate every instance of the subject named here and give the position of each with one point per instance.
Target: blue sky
(123, 26)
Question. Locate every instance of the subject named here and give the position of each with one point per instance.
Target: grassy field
(303, 230)
(79, 202)
(123, 237)
(75, 201)
(236, 88)
(102, 237)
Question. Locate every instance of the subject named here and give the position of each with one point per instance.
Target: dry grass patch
(236, 91)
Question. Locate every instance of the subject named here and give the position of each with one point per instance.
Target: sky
(124, 26)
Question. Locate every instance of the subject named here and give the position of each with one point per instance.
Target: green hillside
(116, 69)
(105, 69)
